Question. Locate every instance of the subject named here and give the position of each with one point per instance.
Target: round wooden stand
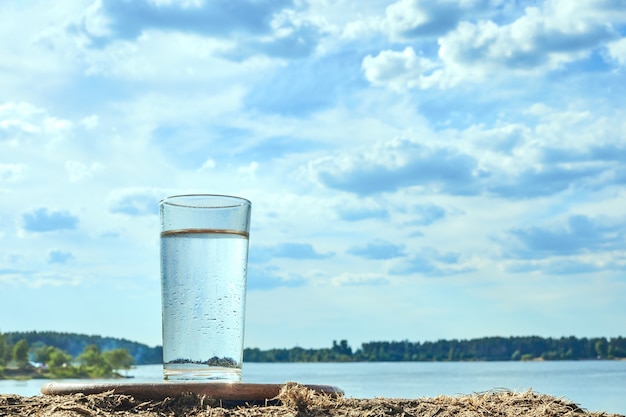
(236, 392)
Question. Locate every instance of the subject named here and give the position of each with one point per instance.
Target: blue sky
(418, 169)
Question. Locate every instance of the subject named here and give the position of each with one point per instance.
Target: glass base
(197, 372)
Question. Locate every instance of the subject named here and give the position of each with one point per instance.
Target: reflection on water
(594, 385)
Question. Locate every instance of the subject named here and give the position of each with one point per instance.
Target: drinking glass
(204, 258)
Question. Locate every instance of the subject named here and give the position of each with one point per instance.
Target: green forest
(70, 355)
(74, 344)
(482, 349)
(21, 361)
(58, 355)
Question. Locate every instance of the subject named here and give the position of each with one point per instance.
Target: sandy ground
(296, 400)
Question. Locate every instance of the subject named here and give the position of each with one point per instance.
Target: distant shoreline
(34, 373)
(514, 348)
(525, 348)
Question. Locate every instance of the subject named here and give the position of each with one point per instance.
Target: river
(593, 385)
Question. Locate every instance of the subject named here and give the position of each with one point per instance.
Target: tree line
(21, 360)
(74, 344)
(481, 349)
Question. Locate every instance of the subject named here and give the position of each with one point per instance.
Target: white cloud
(432, 262)
(135, 201)
(11, 172)
(399, 70)
(398, 163)
(617, 51)
(90, 122)
(361, 29)
(43, 220)
(347, 279)
(78, 171)
(182, 3)
(41, 37)
(408, 19)
(534, 42)
(21, 122)
(16, 121)
(249, 170)
(95, 22)
(240, 29)
(58, 256)
(579, 12)
(208, 165)
(192, 59)
(542, 39)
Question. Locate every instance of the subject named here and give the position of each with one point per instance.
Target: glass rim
(185, 200)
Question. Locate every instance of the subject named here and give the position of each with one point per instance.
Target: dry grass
(296, 400)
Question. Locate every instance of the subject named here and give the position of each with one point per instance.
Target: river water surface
(593, 385)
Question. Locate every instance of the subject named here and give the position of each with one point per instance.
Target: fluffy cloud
(617, 51)
(581, 234)
(596, 11)
(290, 42)
(545, 165)
(360, 213)
(135, 201)
(57, 256)
(425, 214)
(21, 123)
(37, 279)
(44, 220)
(11, 172)
(108, 19)
(543, 181)
(351, 280)
(361, 209)
(269, 278)
(535, 41)
(507, 161)
(288, 250)
(377, 250)
(272, 28)
(568, 265)
(542, 39)
(78, 171)
(398, 163)
(431, 262)
(399, 70)
(579, 244)
(410, 19)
